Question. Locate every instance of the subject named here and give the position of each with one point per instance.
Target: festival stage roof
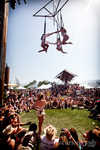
(65, 76)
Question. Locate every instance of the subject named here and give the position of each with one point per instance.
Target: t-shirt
(46, 144)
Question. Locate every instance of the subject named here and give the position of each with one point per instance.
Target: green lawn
(65, 118)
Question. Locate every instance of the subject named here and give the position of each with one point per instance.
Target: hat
(8, 130)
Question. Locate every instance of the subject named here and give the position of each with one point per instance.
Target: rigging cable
(45, 25)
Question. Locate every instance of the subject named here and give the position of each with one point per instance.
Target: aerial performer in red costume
(65, 36)
(59, 45)
(56, 14)
(44, 43)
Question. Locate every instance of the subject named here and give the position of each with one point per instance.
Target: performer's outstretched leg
(40, 119)
(42, 51)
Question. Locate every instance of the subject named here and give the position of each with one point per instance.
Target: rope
(61, 20)
(53, 12)
(45, 25)
(58, 5)
(58, 34)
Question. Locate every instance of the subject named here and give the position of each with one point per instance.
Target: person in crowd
(19, 138)
(1, 121)
(96, 132)
(15, 121)
(31, 139)
(92, 139)
(49, 140)
(63, 141)
(7, 142)
(6, 120)
(71, 140)
(72, 144)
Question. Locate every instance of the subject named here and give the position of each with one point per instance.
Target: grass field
(65, 118)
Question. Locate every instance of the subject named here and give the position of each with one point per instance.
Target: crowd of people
(59, 96)
(13, 135)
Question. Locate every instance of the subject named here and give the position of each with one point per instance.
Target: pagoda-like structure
(65, 76)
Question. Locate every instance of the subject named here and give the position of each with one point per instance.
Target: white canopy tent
(44, 86)
(20, 88)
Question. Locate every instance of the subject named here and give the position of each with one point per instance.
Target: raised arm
(68, 134)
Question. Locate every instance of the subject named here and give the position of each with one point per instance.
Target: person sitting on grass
(7, 142)
(49, 140)
(72, 144)
(31, 140)
(71, 141)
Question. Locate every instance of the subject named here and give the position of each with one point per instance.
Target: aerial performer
(64, 31)
(56, 14)
(59, 45)
(44, 43)
(65, 36)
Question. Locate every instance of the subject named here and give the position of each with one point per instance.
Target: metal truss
(57, 9)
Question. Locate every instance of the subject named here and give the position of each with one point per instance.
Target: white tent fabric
(44, 86)
(20, 88)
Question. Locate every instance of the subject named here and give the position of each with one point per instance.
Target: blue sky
(81, 19)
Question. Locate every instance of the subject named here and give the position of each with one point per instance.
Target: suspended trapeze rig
(57, 18)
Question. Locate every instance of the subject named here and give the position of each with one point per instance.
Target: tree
(31, 84)
(45, 82)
